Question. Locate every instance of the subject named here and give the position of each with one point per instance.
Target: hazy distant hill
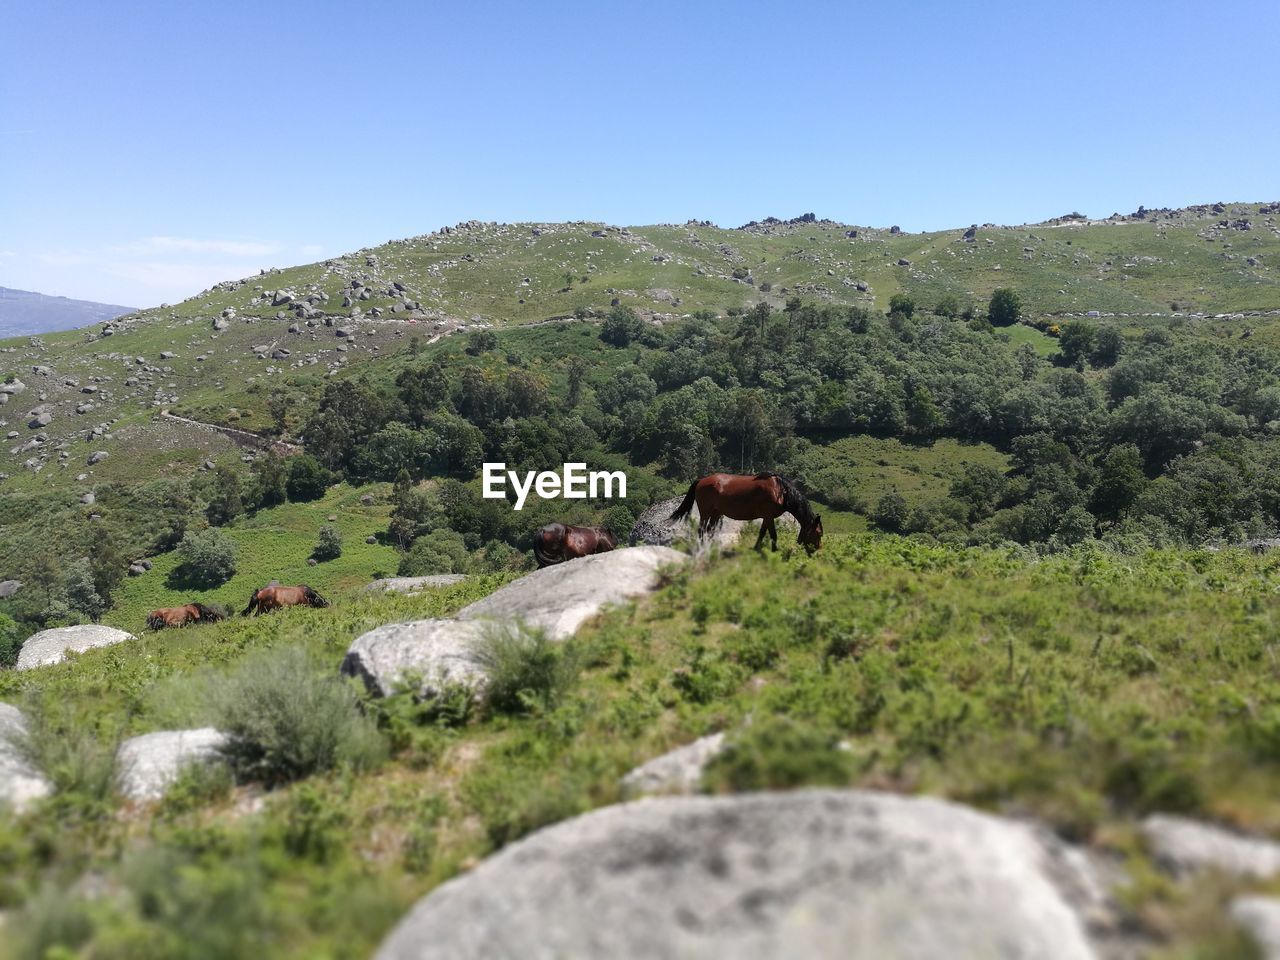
(23, 312)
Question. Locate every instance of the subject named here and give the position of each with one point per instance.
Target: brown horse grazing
(558, 542)
(763, 497)
(181, 616)
(274, 597)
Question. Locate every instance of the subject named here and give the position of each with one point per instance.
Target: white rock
(1184, 845)
(20, 783)
(429, 654)
(1261, 917)
(148, 765)
(51, 646)
(559, 599)
(413, 584)
(678, 771)
(812, 874)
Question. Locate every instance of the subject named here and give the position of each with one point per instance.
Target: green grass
(1085, 690)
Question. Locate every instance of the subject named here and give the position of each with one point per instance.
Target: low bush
(208, 557)
(527, 671)
(287, 720)
(329, 546)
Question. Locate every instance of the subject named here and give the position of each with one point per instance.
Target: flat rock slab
(414, 584)
(1261, 917)
(811, 874)
(655, 526)
(51, 646)
(148, 765)
(678, 771)
(559, 599)
(20, 783)
(1185, 846)
(428, 654)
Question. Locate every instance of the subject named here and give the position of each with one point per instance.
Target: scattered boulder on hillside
(136, 570)
(1185, 846)
(13, 387)
(560, 598)
(20, 783)
(413, 584)
(812, 873)
(51, 646)
(655, 526)
(97, 457)
(40, 420)
(972, 233)
(678, 771)
(220, 324)
(428, 654)
(436, 653)
(1260, 916)
(9, 588)
(88, 499)
(149, 764)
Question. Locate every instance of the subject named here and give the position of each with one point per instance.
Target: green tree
(208, 557)
(423, 390)
(1120, 482)
(225, 501)
(329, 546)
(278, 408)
(891, 512)
(106, 564)
(902, 303)
(481, 342)
(621, 326)
(1107, 347)
(1005, 307)
(307, 480)
(1076, 342)
(577, 372)
(79, 590)
(270, 478)
(526, 393)
(948, 305)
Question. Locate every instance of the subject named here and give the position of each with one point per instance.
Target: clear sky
(149, 149)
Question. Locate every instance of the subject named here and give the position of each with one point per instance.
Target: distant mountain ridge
(24, 312)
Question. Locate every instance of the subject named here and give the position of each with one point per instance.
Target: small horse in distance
(275, 597)
(763, 497)
(558, 542)
(181, 616)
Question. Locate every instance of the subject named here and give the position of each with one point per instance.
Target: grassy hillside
(1085, 689)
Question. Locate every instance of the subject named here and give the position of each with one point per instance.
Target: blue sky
(148, 150)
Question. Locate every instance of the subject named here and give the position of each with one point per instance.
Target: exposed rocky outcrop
(556, 600)
(414, 584)
(678, 771)
(149, 764)
(810, 874)
(20, 783)
(51, 646)
(655, 526)
(1185, 846)
(1260, 916)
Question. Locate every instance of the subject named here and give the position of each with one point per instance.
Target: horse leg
(773, 533)
(760, 539)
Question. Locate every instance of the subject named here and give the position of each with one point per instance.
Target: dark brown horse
(558, 542)
(181, 616)
(274, 597)
(764, 497)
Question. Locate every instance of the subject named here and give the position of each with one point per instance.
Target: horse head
(811, 535)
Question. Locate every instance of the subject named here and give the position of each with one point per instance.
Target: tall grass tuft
(78, 761)
(527, 671)
(287, 719)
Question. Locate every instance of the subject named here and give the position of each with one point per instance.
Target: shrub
(307, 479)
(441, 551)
(481, 341)
(527, 671)
(621, 326)
(891, 512)
(1005, 307)
(329, 546)
(902, 303)
(286, 720)
(12, 636)
(208, 557)
(79, 764)
(778, 753)
(948, 305)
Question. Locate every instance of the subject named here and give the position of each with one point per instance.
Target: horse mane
(793, 501)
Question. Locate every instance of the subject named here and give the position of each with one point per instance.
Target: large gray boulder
(20, 783)
(1185, 846)
(655, 526)
(430, 655)
(678, 771)
(1260, 916)
(814, 874)
(9, 588)
(560, 598)
(148, 765)
(433, 654)
(413, 584)
(51, 646)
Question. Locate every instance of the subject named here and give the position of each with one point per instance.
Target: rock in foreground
(678, 771)
(149, 764)
(1184, 846)
(429, 654)
(810, 874)
(51, 646)
(20, 783)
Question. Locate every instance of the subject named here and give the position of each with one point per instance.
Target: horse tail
(686, 505)
(540, 553)
(253, 602)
